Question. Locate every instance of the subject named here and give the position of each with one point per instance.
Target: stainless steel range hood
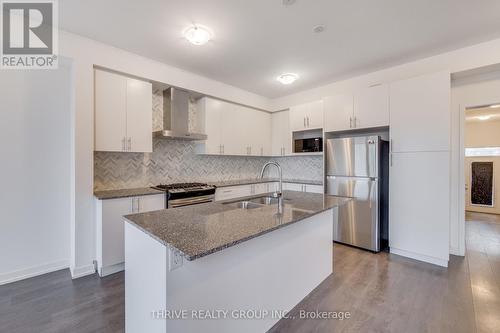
(176, 116)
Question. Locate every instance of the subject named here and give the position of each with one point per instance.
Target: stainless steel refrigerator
(357, 167)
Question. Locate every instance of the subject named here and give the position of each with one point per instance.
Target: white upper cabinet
(234, 129)
(339, 112)
(123, 113)
(110, 115)
(307, 116)
(281, 135)
(367, 108)
(139, 116)
(260, 130)
(210, 110)
(420, 113)
(371, 107)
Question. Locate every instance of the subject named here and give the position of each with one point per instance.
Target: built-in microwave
(309, 145)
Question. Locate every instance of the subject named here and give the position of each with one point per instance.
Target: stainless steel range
(186, 194)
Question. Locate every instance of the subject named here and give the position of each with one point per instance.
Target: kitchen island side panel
(274, 271)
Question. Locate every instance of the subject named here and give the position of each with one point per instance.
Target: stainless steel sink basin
(267, 200)
(247, 205)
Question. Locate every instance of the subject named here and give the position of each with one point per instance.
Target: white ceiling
(256, 40)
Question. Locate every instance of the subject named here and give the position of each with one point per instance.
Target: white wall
(35, 139)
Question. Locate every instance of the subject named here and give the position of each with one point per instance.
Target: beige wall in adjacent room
(483, 134)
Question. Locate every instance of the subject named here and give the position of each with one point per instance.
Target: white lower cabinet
(110, 254)
(231, 192)
(303, 187)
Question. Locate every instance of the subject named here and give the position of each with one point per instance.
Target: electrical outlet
(175, 259)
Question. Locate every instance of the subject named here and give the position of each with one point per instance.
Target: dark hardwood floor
(382, 292)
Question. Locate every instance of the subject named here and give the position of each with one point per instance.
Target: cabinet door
(110, 111)
(371, 107)
(338, 112)
(314, 117)
(112, 242)
(148, 203)
(313, 188)
(232, 192)
(260, 188)
(293, 187)
(298, 115)
(211, 112)
(260, 130)
(281, 134)
(139, 116)
(419, 205)
(420, 113)
(234, 129)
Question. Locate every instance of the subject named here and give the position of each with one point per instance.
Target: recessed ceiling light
(287, 78)
(198, 34)
(494, 106)
(288, 2)
(484, 117)
(319, 28)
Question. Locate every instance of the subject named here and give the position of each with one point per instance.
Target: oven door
(190, 201)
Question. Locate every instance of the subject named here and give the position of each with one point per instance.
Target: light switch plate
(175, 260)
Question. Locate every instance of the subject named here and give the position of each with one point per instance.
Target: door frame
(461, 168)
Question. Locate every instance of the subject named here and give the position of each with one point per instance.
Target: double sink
(255, 202)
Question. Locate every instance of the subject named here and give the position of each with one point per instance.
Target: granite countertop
(236, 182)
(199, 230)
(135, 192)
(125, 193)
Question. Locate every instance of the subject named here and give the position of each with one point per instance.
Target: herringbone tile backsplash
(176, 161)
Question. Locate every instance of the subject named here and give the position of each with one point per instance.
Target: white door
(338, 111)
(298, 114)
(420, 206)
(281, 134)
(110, 111)
(139, 116)
(371, 107)
(148, 203)
(420, 113)
(315, 115)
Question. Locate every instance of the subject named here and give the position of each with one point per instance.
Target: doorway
(482, 159)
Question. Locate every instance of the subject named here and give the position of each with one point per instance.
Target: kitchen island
(234, 266)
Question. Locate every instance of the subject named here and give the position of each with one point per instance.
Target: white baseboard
(456, 252)
(108, 270)
(33, 271)
(420, 257)
(78, 272)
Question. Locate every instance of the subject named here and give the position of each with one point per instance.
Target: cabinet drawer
(231, 192)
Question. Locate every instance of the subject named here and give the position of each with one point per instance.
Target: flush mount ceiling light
(484, 117)
(198, 34)
(287, 78)
(319, 28)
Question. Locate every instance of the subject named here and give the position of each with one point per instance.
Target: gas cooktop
(184, 187)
